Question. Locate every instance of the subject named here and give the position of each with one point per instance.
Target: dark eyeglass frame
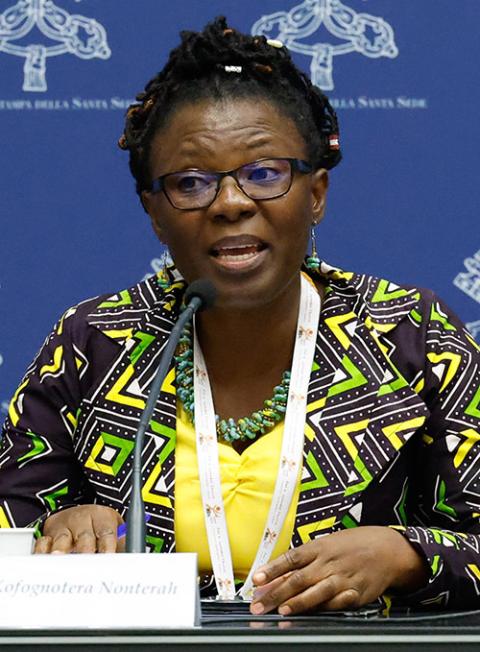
(296, 165)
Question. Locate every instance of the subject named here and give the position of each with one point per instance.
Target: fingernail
(284, 610)
(260, 577)
(257, 608)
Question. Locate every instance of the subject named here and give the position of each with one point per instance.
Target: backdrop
(403, 203)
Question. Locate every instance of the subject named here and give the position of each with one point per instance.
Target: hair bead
(133, 110)
(334, 142)
(275, 43)
(237, 69)
(263, 68)
(122, 142)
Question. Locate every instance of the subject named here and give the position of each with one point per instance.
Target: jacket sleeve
(446, 527)
(39, 472)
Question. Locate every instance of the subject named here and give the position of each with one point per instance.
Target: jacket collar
(383, 305)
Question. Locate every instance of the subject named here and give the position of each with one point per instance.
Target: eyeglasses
(266, 178)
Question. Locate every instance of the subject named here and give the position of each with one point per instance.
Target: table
(321, 633)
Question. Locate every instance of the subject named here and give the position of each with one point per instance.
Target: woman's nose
(231, 203)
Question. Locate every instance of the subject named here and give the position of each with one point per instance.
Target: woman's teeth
(239, 253)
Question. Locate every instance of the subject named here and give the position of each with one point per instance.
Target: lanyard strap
(290, 456)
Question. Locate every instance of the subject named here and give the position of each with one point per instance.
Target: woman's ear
(319, 193)
(144, 196)
(146, 199)
(157, 229)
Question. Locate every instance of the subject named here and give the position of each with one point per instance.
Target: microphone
(199, 295)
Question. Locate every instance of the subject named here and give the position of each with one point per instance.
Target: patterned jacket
(392, 434)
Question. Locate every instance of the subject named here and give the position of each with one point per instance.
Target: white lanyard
(290, 456)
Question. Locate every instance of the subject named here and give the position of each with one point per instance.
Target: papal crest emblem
(352, 31)
(43, 21)
(469, 282)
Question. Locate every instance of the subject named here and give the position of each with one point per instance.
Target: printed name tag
(110, 591)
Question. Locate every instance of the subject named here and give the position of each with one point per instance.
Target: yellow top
(248, 482)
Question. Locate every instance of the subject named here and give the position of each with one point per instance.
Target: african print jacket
(392, 433)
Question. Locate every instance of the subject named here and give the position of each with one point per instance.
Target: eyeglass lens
(259, 180)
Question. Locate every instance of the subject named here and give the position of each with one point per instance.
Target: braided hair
(221, 63)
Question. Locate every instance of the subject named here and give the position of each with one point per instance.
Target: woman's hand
(344, 570)
(86, 528)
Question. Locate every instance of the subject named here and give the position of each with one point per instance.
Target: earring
(163, 277)
(313, 261)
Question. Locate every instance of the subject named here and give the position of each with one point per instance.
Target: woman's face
(251, 250)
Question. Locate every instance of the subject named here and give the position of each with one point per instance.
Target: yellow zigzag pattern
(56, 367)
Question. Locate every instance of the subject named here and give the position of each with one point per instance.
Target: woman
(375, 386)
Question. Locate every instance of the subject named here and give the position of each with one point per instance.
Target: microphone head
(202, 289)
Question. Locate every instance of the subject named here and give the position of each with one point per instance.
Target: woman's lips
(239, 253)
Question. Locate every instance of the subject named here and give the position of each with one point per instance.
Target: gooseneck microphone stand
(199, 296)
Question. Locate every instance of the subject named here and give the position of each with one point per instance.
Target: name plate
(106, 591)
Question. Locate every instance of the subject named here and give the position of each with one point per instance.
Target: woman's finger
(260, 591)
(85, 541)
(121, 544)
(62, 542)
(42, 545)
(105, 526)
(107, 540)
(325, 594)
(282, 589)
(291, 560)
(348, 599)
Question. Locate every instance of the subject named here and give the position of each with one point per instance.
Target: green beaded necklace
(257, 424)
